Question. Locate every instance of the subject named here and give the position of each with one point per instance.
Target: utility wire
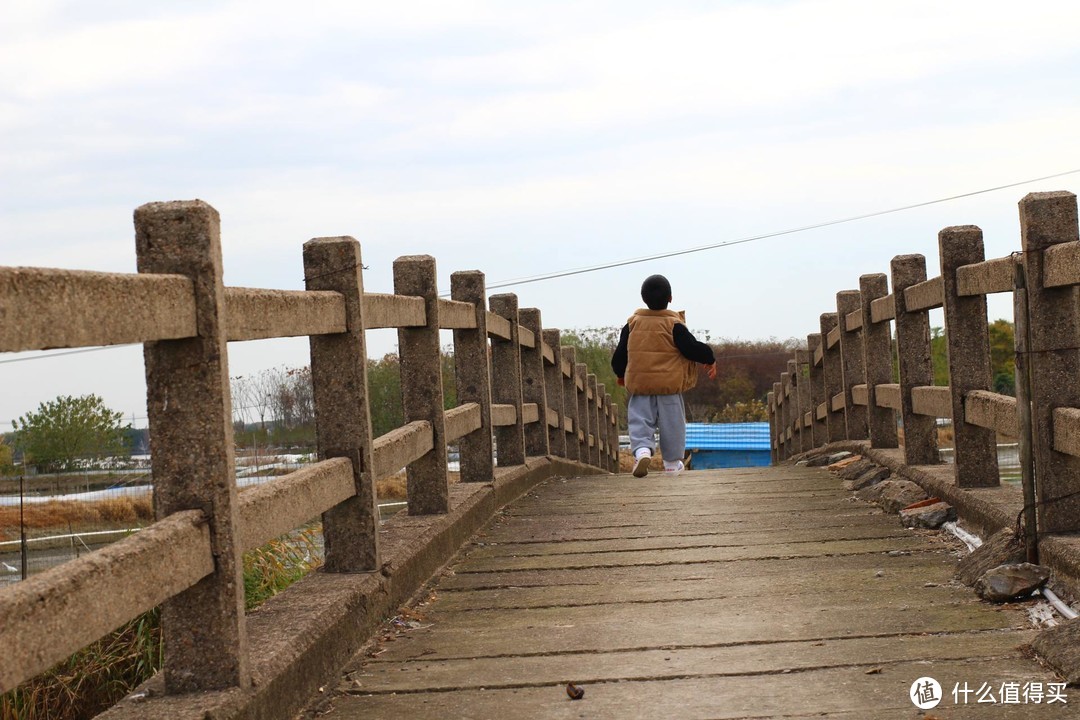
(763, 236)
(673, 253)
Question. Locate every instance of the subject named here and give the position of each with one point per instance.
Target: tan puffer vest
(654, 365)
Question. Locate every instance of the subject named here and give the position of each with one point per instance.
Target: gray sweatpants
(647, 413)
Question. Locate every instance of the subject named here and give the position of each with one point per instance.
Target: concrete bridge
(715, 594)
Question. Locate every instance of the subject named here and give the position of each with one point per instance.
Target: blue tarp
(727, 445)
(727, 436)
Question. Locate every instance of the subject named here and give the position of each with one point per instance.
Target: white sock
(642, 452)
(673, 465)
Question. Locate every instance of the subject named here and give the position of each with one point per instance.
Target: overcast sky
(526, 138)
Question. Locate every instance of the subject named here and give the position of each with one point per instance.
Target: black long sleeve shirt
(690, 347)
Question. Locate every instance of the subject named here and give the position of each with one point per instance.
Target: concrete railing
(841, 387)
(523, 388)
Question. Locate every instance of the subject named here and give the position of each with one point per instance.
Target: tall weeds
(101, 674)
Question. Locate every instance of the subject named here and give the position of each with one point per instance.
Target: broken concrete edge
(302, 637)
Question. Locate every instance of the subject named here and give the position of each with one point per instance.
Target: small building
(728, 445)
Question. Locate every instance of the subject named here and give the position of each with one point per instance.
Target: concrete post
(968, 340)
(819, 430)
(506, 381)
(568, 355)
(342, 415)
(532, 383)
(914, 361)
(1047, 219)
(877, 361)
(787, 448)
(802, 361)
(612, 458)
(585, 417)
(553, 387)
(190, 414)
(796, 406)
(427, 480)
(594, 417)
(772, 427)
(833, 376)
(851, 360)
(472, 373)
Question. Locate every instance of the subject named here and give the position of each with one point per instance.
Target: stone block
(855, 469)
(892, 495)
(1003, 548)
(871, 477)
(1006, 583)
(930, 516)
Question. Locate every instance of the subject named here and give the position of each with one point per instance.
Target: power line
(674, 253)
(727, 243)
(66, 352)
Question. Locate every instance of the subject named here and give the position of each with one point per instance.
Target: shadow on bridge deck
(748, 593)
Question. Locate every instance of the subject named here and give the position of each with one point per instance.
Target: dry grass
(102, 673)
(79, 516)
(395, 487)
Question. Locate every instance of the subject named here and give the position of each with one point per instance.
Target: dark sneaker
(641, 466)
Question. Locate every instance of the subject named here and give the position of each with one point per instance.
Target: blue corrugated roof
(727, 436)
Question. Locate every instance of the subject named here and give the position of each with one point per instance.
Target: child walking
(656, 360)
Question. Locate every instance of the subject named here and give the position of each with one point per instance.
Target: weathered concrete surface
(307, 633)
(717, 594)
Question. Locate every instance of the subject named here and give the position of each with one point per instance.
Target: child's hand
(710, 370)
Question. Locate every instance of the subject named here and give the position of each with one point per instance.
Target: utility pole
(22, 530)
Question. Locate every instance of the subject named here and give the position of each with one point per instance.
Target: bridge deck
(719, 594)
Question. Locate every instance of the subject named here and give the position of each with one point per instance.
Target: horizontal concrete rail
(42, 308)
(1067, 430)
(568, 424)
(807, 420)
(461, 421)
(526, 337)
(926, 295)
(887, 395)
(49, 616)
(274, 508)
(393, 311)
(567, 369)
(859, 395)
(838, 402)
(853, 320)
(503, 415)
(548, 353)
(822, 411)
(833, 338)
(455, 315)
(987, 277)
(552, 418)
(992, 411)
(883, 308)
(256, 314)
(498, 326)
(932, 400)
(399, 447)
(1061, 265)
(530, 413)
(819, 355)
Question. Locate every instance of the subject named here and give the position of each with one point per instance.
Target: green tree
(7, 458)
(64, 431)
